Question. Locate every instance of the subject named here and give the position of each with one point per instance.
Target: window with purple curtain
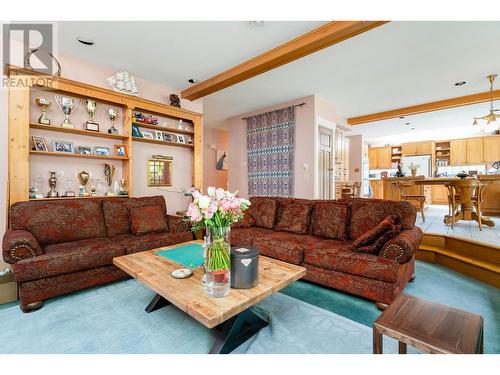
(271, 146)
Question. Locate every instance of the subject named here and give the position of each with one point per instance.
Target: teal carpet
(111, 319)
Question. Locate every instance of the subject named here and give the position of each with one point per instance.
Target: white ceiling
(171, 52)
(437, 125)
(395, 65)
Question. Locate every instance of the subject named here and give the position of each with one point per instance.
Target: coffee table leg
(402, 347)
(235, 331)
(157, 303)
(377, 341)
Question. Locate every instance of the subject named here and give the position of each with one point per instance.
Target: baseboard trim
(478, 260)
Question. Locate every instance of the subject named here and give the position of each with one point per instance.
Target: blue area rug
(111, 319)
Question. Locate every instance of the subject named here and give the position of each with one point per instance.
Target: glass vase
(218, 262)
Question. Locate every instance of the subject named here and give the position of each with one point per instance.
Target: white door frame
(320, 121)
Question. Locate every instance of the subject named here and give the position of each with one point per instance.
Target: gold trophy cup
(44, 104)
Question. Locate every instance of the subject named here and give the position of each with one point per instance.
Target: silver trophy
(109, 171)
(67, 105)
(112, 115)
(91, 106)
(52, 183)
(44, 104)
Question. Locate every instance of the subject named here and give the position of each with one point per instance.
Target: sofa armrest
(177, 224)
(404, 246)
(18, 245)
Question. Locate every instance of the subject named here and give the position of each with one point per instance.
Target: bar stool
(405, 196)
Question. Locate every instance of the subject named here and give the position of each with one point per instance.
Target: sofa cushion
(377, 245)
(245, 222)
(337, 256)
(294, 217)
(60, 221)
(374, 239)
(288, 247)
(263, 210)
(134, 244)
(68, 257)
(367, 213)
(148, 219)
(246, 236)
(116, 216)
(404, 246)
(331, 220)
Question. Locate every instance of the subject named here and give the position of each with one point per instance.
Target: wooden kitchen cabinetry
(409, 149)
(439, 194)
(491, 149)
(373, 157)
(418, 148)
(377, 189)
(379, 157)
(458, 152)
(475, 151)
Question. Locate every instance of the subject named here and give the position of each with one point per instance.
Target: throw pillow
(263, 210)
(147, 219)
(245, 222)
(374, 239)
(331, 220)
(294, 217)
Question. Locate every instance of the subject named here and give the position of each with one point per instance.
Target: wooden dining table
(465, 189)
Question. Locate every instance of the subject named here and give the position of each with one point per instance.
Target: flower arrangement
(215, 212)
(413, 169)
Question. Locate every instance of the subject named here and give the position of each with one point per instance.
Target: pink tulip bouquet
(215, 212)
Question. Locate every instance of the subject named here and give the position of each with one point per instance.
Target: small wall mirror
(160, 172)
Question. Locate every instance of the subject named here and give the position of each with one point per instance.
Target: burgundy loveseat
(318, 235)
(58, 247)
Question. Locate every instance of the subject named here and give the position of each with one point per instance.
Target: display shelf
(87, 133)
(64, 198)
(163, 128)
(163, 143)
(69, 155)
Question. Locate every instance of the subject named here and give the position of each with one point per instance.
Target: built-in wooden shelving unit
(20, 149)
(396, 154)
(442, 151)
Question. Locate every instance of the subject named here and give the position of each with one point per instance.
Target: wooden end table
(230, 317)
(429, 326)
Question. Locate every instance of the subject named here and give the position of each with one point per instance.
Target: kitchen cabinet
(491, 149)
(475, 150)
(424, 148)
(439, 194)
(417, 148)
(458, 152)
(373, 158)
(384, 157)
(409, 149)
(377, 189)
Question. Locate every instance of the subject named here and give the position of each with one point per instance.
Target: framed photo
(39, 143)
(189, 140)
(136, 132)
(84, 150)
(101, 151)
(63, 146)
(180, 138)
(168, 137)
(147, 134)
(121, 151)
(158, 135)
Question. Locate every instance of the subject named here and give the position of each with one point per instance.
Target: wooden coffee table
(230, 317)
(429, 326)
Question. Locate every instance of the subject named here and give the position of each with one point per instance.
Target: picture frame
(84, 150)
(101, 151)
(181, 138)
(147, 134)
(136, 131)
(159, 135)
(168, 137)
(40, 144)
(121, 151)
(65, 147)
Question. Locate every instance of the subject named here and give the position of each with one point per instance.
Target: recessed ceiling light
(257, 23)
(85, 40)
(460, 83)
(193, 80)
(412, 128)
(407, 123)
(401, 117)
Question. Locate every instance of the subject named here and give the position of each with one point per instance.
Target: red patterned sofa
(318, 235)
(58, 247)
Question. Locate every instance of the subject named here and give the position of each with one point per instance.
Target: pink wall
(304, 148)
(79, 70)
(355, 157)
(213, 140)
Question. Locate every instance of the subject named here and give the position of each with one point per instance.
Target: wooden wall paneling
(19, 145)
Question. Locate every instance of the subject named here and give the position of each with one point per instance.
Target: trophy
(44, 104)
(112, 115)
(91, 106)
(83, 178)
(52, 183)
(67, 105)
(109, 171)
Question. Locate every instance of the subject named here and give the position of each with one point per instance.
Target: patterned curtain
(271, 146)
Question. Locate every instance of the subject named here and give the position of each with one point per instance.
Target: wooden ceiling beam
(310, 42)
(426, 107)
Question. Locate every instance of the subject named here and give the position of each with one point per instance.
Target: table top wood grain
(430, 326)
(188, 295)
